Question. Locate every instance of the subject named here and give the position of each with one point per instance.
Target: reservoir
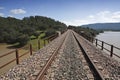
(112, 38)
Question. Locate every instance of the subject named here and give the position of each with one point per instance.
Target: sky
(70, 12)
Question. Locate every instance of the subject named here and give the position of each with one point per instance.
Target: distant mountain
(104, 26)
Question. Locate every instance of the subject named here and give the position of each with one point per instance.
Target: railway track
(85, 68)
(30, 68)
(108, 67)
(96, 73)
(46, 66)
(67, 58)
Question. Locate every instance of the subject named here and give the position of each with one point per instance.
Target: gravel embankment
(109, 67)
(29, 68)
(69, 63)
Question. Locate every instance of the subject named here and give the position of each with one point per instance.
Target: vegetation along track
(66, 58)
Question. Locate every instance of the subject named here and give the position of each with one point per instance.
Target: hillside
(104, 26)
(87, 33)
(14, 30)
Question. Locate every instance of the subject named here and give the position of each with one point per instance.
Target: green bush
(36, 34)
(22, 39)
(49, 32)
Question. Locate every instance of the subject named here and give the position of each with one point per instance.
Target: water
(112, 38)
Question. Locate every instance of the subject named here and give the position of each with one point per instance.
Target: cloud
(18, 11)
(76, 22)
(1, 14)
(116, 15)
(91, 16)
(1, 8)
(107, 16)
(10, 16)
(100, 17)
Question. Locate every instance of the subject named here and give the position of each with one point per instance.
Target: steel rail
(50, 60)
(97, 75)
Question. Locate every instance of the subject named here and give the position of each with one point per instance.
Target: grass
(34, 42)
(4, 49)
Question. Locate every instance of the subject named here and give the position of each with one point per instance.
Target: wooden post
(17, 57)
(38, 44)
(44, 42)
(96, 42)
(111, 53)
(30, 49)
(102, 45)
(92, 40)
(48, 40)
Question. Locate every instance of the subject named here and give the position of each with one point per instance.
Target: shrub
(22, 39)
(49, 32)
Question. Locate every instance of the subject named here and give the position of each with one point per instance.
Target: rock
(95, 61)
(100, 67)
(36, 72)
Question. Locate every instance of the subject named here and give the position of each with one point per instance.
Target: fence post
(30, 49)
(102, 45)
(111, 53)
(48, 40)
(44, 42)
(92, 39)
(96, 42)
(38, 44)
(17, 57)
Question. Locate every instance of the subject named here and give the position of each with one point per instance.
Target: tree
(49, 32)
(14, 30)
(36, 34)
(23, 39)
(87, 33)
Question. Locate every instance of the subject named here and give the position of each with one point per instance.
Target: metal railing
(102, 46)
